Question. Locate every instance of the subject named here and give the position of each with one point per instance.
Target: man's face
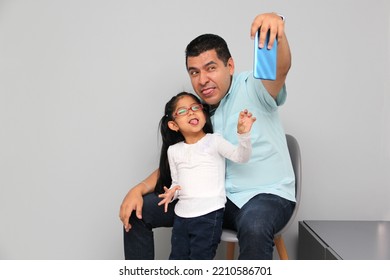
(209, 76)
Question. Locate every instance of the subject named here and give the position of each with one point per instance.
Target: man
(260, 193)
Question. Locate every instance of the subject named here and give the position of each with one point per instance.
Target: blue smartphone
(264, 64)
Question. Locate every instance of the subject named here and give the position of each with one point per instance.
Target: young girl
(192, 163)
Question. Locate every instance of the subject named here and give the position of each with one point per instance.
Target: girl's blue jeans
(196, 238)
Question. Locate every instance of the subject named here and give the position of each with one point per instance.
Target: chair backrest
(295, 155)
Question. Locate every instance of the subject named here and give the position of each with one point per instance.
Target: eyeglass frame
(175, 115)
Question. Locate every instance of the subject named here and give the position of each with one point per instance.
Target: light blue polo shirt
(269, 170)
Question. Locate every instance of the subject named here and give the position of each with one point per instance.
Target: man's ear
(230, 64)
(173, 126)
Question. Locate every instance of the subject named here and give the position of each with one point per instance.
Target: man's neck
(213, 108)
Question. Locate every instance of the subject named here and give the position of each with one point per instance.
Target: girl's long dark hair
(170, 137)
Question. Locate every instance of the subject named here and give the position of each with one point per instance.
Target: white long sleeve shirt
(199, 169)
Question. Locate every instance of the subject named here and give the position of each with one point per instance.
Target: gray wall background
(82, 88)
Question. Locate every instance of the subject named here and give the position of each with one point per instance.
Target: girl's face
(189, 119)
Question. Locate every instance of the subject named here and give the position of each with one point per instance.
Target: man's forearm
(148, 185)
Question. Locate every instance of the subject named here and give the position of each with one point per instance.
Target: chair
(230, 236)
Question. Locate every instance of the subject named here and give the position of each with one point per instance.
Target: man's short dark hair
(207, 42)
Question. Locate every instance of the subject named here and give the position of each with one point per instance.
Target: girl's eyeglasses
(183, 111)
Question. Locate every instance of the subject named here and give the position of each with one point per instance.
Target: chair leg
(230, 250)
(279, 243)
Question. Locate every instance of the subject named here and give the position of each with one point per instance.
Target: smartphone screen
(264, 64)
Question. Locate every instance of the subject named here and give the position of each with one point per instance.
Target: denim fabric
(196, 238)
(256, 223)
(139, 241)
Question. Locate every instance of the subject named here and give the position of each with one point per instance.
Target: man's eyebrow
(206, 65)
(210, 63)
(192, 69)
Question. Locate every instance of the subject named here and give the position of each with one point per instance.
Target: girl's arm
(243, 151)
